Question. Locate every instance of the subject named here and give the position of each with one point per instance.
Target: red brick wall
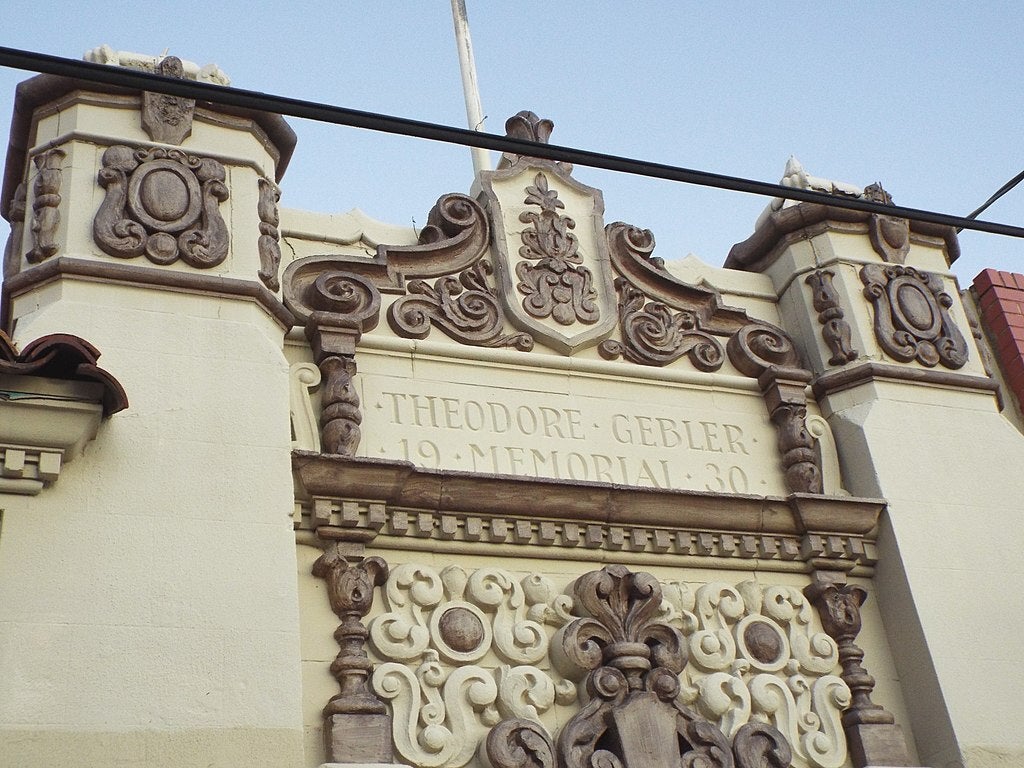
(1001, 299)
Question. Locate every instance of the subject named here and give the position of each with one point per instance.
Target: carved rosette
(632, 714)
(164, 204)
(834, 329)
(912, 321)
(465, 309)
(45, 205)
(168, 119)
(552, 277)
(766, 352)
(270, 250)
(653, 335)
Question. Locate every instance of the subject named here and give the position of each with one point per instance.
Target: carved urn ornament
(631, 716)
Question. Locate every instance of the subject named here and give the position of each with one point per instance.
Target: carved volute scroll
(343, 307)
(834, 328)
(168, 119)
(45, 202)
(632, 715)
(270, 250)
(350, 588)
(765, 352)
(912, 319)
(163, 203)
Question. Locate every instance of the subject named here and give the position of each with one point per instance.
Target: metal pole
(470, 89)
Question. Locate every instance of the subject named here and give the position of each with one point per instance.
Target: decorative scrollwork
(834, 329)
(45, 202)
(756, 347)
(912, 320)
(163, 203)
(653, 335)
(552, 277)
(465, 309)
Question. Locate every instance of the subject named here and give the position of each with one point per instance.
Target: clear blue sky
(922, 96)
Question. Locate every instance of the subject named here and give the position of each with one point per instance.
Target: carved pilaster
(834, 328)
(270, 250)
(767, 353)
(357, 725)
(45, 202)
(873, 736)
(168, 119)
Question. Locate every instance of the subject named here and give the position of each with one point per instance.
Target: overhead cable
(255, 100)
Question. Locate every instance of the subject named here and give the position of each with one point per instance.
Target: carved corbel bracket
(873, 736)
(358, 728)
(339, 308)
(764, 352)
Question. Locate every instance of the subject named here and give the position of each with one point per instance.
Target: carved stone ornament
(355, 711)
(834, 329)
(163, 203)
(653, 335)
(465, 309)
(16, 216)
(554, 277)
(912, 320)
(890, 235)
(874, 738)
(168, 119)
(766, 352)
(45, 202)
(632, 715)
(270, 250)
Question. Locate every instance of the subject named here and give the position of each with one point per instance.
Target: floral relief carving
(912, 320)
(464, 308)
(552, 277)
(164, 204)
(45, 202)
(653, 335)
(437, 631)
(460, 652)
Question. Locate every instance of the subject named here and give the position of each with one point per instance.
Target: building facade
(285, 488)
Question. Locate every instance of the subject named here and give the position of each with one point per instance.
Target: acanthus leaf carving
(163, 203)
(465, 309)
(653, 335)
(45, 205)
(552, 278)
(912, 320)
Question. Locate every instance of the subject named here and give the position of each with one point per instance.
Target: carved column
(357, 728)
(872, 733)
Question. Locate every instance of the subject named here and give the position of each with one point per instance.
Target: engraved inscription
(573, 438)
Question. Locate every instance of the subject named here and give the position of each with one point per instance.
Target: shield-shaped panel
(551, 255)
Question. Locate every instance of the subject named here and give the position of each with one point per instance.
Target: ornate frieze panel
(45, 205)
(461, 652)
(164, 204)
(834, 329)
(912, 320)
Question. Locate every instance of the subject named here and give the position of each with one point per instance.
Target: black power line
(327, 113)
